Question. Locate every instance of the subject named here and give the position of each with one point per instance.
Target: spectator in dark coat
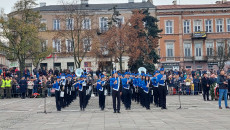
(51, 71)
(23, 87)
(44, 71)
(205, 86)
(56, 72)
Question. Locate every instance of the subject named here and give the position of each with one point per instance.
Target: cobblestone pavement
(195, 114)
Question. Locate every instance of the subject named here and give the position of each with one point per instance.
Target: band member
(126, 92)
(116, 84)
(135, 89)
(141, 91)
(81, 84)
(63, 91)
(146, 94)
(155, 89)
(56, 85)
(101, 91)
(162, 88)
(68, 86)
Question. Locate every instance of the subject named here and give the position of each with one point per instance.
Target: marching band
(141, 88)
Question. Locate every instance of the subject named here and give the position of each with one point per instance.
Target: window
(69, 46)
(198, 50)
(220, 48)
(209, 47)
(187, 50)
(219, 25)
(87, 44)
(228, 25)
(44, 45)
(43, 25)
(86, 24)
(169, 27)
(103, 23)
(186, 26)
(198, 25)
(56, 24)
(170, 50)
(57, 45)
(70, 24)
(120, 21)
(208, 26)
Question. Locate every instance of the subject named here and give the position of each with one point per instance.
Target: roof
(97, 6)
(203, 6)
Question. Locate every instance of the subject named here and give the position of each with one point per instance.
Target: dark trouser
(127, 98)
(8, 92)
(196, 89)
(147, 100)
(116, 97)
(156, 96)
(151, 95)
(23, 95)
(58, 100)
(2, 92)
(101, 99)
(162, 95)
(82, 95)
(30, 93)
(206, 93)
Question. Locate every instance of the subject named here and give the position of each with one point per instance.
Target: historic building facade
(193, 35)
(96, 19)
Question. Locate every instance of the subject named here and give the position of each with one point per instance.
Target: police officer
(57, 88)
(116, 84)
(8, 87)
(162, 88)
(2, 88)
(101, 89)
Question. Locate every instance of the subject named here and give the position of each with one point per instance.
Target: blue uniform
(162, 90)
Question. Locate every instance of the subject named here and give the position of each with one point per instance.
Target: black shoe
(114, 112)
(118, 111)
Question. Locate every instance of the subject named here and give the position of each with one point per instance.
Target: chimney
(131, 1)
(174, 2)
(42, 4)
(85, 2)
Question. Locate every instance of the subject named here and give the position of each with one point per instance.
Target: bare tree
(78, 33)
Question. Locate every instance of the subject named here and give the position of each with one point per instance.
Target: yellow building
(93, 18)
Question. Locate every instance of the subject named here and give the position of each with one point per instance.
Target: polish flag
(50, 56)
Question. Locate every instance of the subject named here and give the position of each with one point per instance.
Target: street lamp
(159, 53)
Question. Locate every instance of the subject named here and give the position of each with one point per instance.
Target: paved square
(196, 114)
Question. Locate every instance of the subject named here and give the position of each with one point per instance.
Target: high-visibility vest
(8, 83)
(3, 83)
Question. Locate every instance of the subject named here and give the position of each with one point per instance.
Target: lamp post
(159, 53)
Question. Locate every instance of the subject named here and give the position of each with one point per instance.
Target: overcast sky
(8, 4)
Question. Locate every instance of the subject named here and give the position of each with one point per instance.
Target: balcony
(188, 58)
